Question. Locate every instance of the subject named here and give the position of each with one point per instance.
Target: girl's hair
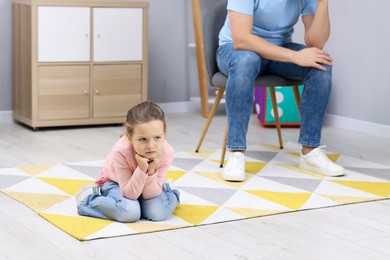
(142, 113)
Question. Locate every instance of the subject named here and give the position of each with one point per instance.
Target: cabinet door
(63, 34)
(117, 34)
(116, 88)
(63, 92)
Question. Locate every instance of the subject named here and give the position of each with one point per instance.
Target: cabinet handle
(97, 92)
(86, 92)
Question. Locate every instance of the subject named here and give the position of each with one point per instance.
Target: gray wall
(358, 44)
(5, 55)
(168, 51)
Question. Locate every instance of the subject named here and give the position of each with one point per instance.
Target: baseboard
(360, 126)
(6, 116)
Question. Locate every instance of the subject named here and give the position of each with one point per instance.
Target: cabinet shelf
(78, 62)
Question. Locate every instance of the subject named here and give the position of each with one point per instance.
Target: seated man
(257, 38)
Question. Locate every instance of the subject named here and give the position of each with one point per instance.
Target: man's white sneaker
(318, 162)
(235, 167)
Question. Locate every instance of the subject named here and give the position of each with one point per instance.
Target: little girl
(131, 184)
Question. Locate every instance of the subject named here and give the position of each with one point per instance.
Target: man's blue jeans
(242, 67)
(112, 205)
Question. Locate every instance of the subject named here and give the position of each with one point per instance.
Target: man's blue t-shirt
(273, 20)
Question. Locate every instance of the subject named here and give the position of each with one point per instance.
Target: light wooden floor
(359, 231)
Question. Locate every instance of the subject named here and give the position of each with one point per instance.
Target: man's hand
(313, 57)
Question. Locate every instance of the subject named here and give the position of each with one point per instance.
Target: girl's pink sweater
(120, 166)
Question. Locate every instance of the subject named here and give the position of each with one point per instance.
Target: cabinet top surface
(144, 3)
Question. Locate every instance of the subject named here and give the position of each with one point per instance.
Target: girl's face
(148, 139)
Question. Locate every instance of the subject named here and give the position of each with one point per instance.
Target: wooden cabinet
(78, 62)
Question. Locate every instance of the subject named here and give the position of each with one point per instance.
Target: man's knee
(246, 62)
(324, 75)
(248, 58)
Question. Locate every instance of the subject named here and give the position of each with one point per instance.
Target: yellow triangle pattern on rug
(346, 199)
(251, 212)
(254, 167)
(272, 147)
(274, 185)
(69, 186)
(287, 199)
(204, 154)
(37, 202)
(174, 175)
(194, 214)
(216, 177)
(295, 168)
(378, 188)
(146, 226)
(33, 170)
(79, 227)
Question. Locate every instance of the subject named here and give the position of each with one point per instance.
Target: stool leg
(210, 117)
(224, 146)
(276, 114)
(297, 96)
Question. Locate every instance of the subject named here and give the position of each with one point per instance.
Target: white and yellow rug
(274, 185)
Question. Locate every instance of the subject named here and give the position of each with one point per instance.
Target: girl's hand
(143, 163)
(153, 163)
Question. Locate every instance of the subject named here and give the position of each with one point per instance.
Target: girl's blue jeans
(242, 67)
(112, 205)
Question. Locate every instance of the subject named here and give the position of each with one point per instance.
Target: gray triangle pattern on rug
(92, 171)
(300, 183)
(373, 172)
(9, 180)
(216, 196)
(261, 155)
(186, 163)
